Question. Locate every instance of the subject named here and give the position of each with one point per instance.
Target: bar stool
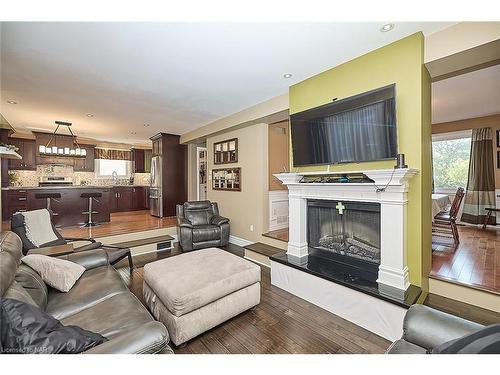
(91, 197)
(48, 198)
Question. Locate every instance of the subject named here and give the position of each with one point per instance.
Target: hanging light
(49, 149)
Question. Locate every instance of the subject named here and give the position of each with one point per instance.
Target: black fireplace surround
(347, 233)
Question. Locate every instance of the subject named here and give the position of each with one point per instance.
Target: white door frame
(198, 149)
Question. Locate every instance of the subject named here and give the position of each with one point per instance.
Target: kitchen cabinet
(138, 160)
(85, 164)
(129, 198)
(27, 149)
(157, 145)
(69, 208)
(148, 154)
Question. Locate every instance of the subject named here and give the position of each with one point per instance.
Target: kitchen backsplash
(31, 178)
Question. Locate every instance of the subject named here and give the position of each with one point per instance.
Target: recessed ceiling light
(89, 115)
(133, 133)
(146, 125)
(387, 27)
(11, 102)
(287, 75)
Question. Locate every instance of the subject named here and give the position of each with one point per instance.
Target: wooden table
(53, 251)
(439, 203)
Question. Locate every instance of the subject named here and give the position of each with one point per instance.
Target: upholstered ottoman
(196, 291)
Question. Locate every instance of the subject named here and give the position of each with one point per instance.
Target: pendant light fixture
(51, 148)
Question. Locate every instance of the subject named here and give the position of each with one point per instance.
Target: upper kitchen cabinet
(27, 149)
(157, 145)
(60, 141)
(85, 164)
(138, 156)
(148, 154)
(142, 160)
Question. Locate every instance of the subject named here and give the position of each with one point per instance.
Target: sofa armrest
(183, 223)
(428, 328)
(149, 338)
(88, 259)
(218, 220)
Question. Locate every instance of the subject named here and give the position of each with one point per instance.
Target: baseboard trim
(239, 241)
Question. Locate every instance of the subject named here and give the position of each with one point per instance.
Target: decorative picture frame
(226, 152)
(226, 179)
(498, 138)
(498, 159)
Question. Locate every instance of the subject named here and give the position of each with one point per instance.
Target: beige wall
(492, 122)
(279, 156)
(250, 205)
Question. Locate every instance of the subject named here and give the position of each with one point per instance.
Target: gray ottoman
(196, 291)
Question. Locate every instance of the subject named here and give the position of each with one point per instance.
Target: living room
(156, 200)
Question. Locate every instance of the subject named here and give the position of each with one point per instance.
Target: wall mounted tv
(356, 129)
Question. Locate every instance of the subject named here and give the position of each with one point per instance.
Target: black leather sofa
(425, 328)
(99, 301)
(199, 226)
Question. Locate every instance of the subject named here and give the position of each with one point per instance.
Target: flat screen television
(352, 130)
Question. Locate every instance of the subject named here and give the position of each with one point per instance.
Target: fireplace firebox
(347, 233)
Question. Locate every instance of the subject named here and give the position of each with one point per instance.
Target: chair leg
(130, 264)
(487, 219)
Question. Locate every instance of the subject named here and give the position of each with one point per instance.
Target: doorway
(201, 173)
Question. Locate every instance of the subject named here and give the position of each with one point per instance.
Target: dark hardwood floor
(284, 323)
(281, 323)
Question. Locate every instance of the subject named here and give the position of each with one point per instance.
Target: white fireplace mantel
(390, 189)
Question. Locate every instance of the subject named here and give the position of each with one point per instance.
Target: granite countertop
(69, 187)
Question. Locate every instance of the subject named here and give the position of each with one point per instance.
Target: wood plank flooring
(476, 261)
(281, 323)
(121, 223)
(279, 234)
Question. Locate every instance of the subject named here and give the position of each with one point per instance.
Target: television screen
(356, 129)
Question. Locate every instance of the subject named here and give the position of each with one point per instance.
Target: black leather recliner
(199, 226)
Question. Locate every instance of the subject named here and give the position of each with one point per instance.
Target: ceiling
(470, 95)
(173, 76)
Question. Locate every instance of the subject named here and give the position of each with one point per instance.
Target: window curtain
(102, 153)
(481, 184)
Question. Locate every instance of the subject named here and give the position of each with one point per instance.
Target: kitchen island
(68, 210)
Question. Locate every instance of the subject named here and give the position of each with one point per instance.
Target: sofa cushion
(203, 233)
(17, 292)
(198, 213)
(484, 341)
(10, 257)
(189, 281)
(58, 273)
(115, 315)
(94, 286)
(27, 329)
(31, 281)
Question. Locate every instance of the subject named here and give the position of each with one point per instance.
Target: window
(450, 158)
(105, 168)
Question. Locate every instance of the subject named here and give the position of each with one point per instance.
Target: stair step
(263, 249)
(144, 241)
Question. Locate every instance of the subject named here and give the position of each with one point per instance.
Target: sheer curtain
(481, 184)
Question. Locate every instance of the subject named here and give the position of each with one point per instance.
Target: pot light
(146, 125)
(387, 27)
(89, 115)
(287, 75)
(11, 102)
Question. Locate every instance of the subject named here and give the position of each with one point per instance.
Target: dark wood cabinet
(125, 198)
(138, 160)
(148, 154)
(174, 170)
(27, 149)
(85, 164)
(68, 209)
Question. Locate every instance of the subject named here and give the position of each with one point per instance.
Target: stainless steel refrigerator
(155, 191)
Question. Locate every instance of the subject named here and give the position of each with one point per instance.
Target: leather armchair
(199, 226)
(425, 328)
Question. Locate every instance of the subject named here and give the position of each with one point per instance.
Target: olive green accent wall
(401, 63)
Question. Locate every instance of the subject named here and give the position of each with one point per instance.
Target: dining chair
(445, 222)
